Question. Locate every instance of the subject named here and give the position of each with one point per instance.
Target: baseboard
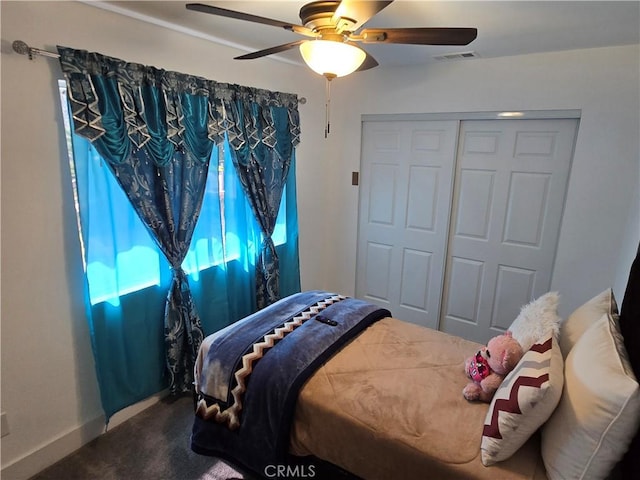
(67, 443)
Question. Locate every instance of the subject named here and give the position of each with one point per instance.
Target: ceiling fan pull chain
(327, 106)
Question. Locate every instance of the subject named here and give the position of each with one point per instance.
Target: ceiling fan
(335, 27)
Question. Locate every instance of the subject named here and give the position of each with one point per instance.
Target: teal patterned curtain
(261, 144)
(156, 129)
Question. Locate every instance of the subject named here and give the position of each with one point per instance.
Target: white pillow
(536, 320)
(585, 316)
(525, 400)
(599, 411)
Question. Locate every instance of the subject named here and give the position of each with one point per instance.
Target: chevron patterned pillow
(525, 400)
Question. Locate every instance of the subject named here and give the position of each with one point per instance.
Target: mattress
(389, 405)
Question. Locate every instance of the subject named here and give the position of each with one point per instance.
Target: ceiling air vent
(456, 56)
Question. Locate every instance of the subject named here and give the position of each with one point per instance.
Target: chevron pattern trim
(532, 372)
(231, 415)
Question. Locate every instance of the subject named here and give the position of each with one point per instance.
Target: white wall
(49, 389)
(600, 224)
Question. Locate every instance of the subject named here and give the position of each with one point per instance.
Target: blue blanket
(250, 378)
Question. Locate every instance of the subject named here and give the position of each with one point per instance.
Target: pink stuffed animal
(490, 365)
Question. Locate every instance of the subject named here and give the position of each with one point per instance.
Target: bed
(341, 381)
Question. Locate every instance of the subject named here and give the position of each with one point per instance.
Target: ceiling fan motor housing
(318, 16)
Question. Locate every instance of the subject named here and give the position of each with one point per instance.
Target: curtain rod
(23, 49)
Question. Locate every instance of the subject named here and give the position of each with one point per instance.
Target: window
(209, 249)
(121, 256)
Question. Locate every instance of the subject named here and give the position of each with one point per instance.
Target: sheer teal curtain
(154, 131)
(129, 354)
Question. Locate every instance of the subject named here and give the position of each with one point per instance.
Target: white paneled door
(463, 262)
(511, 179)
(405, 196)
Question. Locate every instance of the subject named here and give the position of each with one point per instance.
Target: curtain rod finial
(22, 48)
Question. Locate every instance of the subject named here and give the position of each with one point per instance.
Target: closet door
(405, 197)
(511, 178)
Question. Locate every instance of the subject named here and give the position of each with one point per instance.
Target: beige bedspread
(389, 406)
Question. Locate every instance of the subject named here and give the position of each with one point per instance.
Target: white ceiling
(504, 27)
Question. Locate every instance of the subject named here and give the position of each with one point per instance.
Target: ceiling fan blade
(358, 11)
(369, 62)
(223, 12)
(270, 51)
(419, 36)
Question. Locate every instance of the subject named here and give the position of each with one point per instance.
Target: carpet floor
(153, 445)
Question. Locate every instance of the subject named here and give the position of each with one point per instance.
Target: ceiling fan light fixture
(329, 57)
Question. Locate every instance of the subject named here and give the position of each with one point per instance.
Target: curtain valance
(122, 106)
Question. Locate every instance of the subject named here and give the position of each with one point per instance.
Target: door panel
(405, 196)
(511, 179)
(383, 193)
(379, 258)
(475, 203)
